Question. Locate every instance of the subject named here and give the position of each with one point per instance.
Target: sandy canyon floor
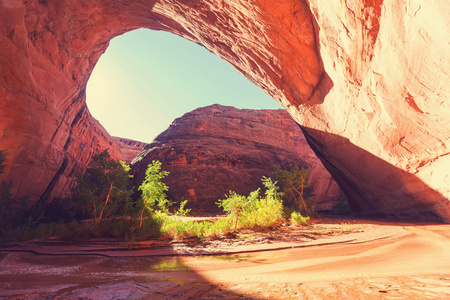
(357, 260)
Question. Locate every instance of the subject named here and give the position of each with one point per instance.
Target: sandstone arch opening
(58, 135)
(146, 79)
(336, 77)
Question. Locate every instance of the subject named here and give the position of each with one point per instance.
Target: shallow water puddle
(34, 276)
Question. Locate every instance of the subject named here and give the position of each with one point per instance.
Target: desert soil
(352, 260)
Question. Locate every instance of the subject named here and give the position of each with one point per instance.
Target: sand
(374, 261)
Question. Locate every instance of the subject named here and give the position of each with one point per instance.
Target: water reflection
(34, 276)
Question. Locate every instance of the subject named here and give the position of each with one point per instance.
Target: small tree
(298, 193)
(103, 187)
(153, 190)
(272, 190)
(235, 204)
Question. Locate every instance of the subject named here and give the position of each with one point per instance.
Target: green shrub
(297, 219)
(253, 211)
(182, 211)
(266, 212)
(178, 229)
(103, 190)
(298, 193)
(234, 204)
(153, 191)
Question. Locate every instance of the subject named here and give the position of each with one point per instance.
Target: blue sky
(148, 78)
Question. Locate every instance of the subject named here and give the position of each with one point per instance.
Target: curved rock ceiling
(367, 80)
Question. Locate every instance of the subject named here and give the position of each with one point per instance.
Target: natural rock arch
(367, 80)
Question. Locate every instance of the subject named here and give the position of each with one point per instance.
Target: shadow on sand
(26, 275)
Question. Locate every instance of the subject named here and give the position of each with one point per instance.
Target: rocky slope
(215, 149)
(367, 80)
(129, 149)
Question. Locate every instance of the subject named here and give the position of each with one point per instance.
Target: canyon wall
(216, 149)
(383, 127)
(366, 79)
(129, 149)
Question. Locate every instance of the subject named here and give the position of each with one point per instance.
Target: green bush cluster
(175, 228)
(298, 193)
(254, 211)
(297, 219)
(104, 190)
(102, 206)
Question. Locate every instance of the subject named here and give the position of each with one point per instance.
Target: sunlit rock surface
(367, 80)
(383, 129)
(215, 149)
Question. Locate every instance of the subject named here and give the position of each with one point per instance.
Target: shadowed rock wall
(374, 73)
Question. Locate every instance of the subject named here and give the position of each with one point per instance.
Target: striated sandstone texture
(215, 149)
(367, 80)
(129, 149)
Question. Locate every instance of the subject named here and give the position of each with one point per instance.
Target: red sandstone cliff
(367, 80)
(129, 149)
(215, 149)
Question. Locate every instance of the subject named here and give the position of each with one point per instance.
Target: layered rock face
(215, 149)
(385, 134)
(367, 80)
(129, 149)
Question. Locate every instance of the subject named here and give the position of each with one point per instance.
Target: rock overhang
(339, 69)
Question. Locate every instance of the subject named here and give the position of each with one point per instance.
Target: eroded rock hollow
(366, 80)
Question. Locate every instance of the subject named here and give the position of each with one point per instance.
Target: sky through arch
(148, 78)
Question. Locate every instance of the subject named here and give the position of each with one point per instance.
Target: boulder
(216, 149)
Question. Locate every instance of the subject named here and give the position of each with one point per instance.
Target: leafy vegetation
(297, 219)
(103, 195)
(264, 212)
(103, 188)
(298, 193)
(182, 211)
(235, 204)
(153, 191)
(251, 212)
(175, 228)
